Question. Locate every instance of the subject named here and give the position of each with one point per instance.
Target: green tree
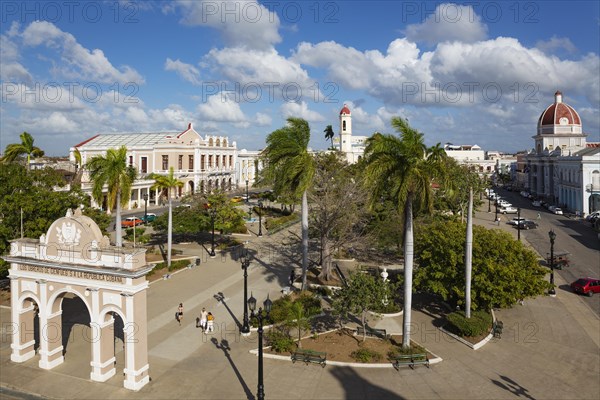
(167, 182)
(329, 134)
(15, 151)
(504, 270)
(337, 212)
(290, 167)
(364, 293)
(31, 194)
(405, 169)
(112, 170)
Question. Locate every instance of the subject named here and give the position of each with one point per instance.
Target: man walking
(203, 319)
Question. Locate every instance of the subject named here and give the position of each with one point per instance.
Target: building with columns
(201, 163)
(247, 167)
(563, 168)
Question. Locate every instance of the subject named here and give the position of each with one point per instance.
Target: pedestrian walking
(539, 216)
(180, 313)
(203, 319)
(292, 278)
(210, 320)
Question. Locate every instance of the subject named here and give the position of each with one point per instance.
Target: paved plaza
(549, 348)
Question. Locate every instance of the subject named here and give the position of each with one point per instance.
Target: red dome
(555, 112)
(345, 110)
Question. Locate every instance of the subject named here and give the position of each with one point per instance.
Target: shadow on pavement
(512, 387)
(224, 346)
(357, 387)
(221, 298)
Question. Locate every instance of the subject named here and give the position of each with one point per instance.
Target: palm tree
(78, 166)
(469, 255)
(329, 134)
(26, 147)
(167, 182)
(291, 168)
(403, 169)
(112, 170)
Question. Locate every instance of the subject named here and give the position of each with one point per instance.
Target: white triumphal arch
(74, 259)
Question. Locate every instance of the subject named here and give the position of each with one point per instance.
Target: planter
(475, 346)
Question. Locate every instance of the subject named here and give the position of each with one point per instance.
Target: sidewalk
(549, 349)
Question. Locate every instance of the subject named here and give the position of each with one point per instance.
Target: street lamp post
(260, 207)
(519, 223)
(489, 201)
(496, 204)
(213, 215)
(260, 394)
(245, 259)
(552, 236)
(247, 197)
(146, 208)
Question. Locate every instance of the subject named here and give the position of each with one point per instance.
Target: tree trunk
(326, 261)
(118, 231)
(408, 272)
(169, 234)
(469, 255)
(364, 325)
(304, 239)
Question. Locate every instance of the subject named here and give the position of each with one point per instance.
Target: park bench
(410, 359)
(309, 356)
(497, 328)
(372, 332)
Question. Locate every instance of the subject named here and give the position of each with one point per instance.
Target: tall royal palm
(112, 170)
(403, 168)
(291, 168)
(16, 150)
(167, 182)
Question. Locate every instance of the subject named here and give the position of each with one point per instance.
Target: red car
(587, 286)
(130, 222)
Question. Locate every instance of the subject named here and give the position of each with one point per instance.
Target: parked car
(130, 222)
(557, 211)
(551, 207)
(236, 199)
(504, 203)
(536, 203)
(592, 216)
(527, 224)
(587, 286)
(524, 193)
(148, 217)
(508, 210)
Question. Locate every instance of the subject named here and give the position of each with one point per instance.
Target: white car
(508, 210)
(504, 203)
(557, 211)
(516, 221)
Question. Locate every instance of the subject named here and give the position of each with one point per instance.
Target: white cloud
(242, 23)
(221, 108)
(263, 119)
(186, 71)
(449, 22)
(76, 60)
(300, 110)
(556, 43)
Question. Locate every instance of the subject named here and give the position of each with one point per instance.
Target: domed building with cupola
(563, 168)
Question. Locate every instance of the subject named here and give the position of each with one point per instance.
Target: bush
(364, 355)
(279, 340)
(479, 323)
(272, 224)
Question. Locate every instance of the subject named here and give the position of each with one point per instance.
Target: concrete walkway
(549, 349)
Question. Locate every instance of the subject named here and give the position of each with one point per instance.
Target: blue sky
(466, 73)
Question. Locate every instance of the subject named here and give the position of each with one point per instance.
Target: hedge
(479, 323)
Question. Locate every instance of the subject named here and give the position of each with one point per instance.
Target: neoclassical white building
(563, 167)
(201, 163)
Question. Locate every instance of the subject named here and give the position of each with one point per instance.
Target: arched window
(596, 179)
(344, 126)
